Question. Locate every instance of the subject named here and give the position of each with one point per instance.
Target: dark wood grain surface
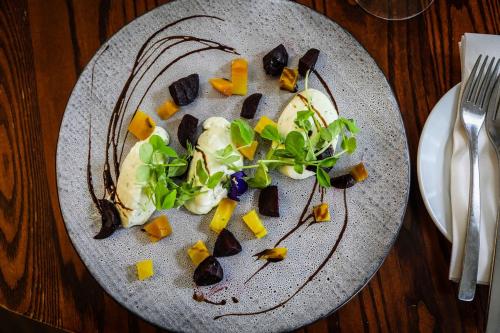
(44, 46)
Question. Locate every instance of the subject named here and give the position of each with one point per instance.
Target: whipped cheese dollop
(130, 192)
(216, 136)
(324, 112)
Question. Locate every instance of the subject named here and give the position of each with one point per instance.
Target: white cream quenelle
(216, 136)
(131, 193)
(324, 112)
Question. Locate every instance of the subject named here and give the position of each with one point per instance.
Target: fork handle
(468, 280)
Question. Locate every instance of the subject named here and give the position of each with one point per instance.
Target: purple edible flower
(237, 185)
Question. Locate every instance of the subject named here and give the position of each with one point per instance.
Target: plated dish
(194, 167)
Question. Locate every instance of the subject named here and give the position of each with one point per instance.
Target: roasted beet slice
(276, 60)
(185, 90)
(342, 182)
(226, 244)
(327, 153)
(308, 61)
(250, 105)
(208, 272)
(187, 130)
(110, 219)
(269, 201)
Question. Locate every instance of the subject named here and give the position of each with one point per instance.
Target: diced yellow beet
(288, 79)
(273, 255)
(167, 109)
(249, 151)
(321, 213)
(144, 269)
(224, 86)
(159, 227)
(263, 122)
(198, 252)
(239, 76)
(222, 214)
(141, 125)
(253, 222)
(359, 172)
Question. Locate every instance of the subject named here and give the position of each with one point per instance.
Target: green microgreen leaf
(214, 179)
(349, 144)
(261, 178)
(295, 144)
(322, 177)
(328, 162)
(241, 133)
(143, 173)
(145, 152)
(169, 200)
(325, 134)
(201, 172)
(299, 168)
(175, 171)
(270, 132)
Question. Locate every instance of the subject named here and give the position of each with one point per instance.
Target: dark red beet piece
(275, 60)
(110, 219)
(208, 272)
(269, 201)
(187, 130)
(308, 61)
(250, 105)
(226, 244)
(344, 181)
(185, 90)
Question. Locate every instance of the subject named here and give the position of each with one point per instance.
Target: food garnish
(142, 125)
(186, 133)
(288, 79)
(158, 228)
(198, 252)
(359, 172)
(167, 110)
(144, 269)
(241, 133)
(343, 181)
(321, 213)
(184, 91)
(224, 86)
(226, 244)
(269, 202)
(273, 255)
(254, 223)
(308, 61)
(262, 123)
(222, 214)
(237, 185)
(110, 218)
(275, 60)
(249, 151)
(250, 105)
(239, 76)
(208, 272)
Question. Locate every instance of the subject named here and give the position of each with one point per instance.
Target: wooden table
(44, 46)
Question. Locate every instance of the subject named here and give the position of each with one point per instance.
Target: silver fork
(475, 97)
(493, 131)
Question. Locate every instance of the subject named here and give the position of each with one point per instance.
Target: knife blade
(493, 325)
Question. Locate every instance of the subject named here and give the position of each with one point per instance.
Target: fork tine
(468, 83)
(476, 84)
(486, 85)
(494, 104)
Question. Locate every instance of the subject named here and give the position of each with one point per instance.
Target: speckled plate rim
(387, 248)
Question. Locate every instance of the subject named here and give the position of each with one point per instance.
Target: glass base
(395, 9)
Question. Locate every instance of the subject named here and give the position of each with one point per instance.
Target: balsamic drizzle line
(93, 67)
(326, 87)
(309, 279)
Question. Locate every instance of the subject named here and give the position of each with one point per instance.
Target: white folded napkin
(471, 46)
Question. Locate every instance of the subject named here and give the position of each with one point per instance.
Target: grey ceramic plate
(357, 247)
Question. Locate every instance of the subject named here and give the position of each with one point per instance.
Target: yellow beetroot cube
(222, 214)
(321, 213)
(288, 79)
(142, 125)
(359, 172)
(223, 86)
(198, 252)
(239, 76)
(158, 228)
(253, 222)
(144, 269)
(274, 255)
(262, 123)
(249, 151)
(167, 109)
